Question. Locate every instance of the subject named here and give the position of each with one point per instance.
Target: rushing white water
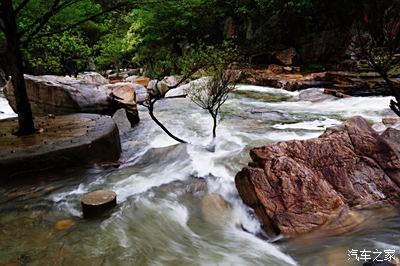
(5, 109)
(158, 221)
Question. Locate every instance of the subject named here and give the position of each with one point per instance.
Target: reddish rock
(275, 69)
(273, 77)
(298, 186)
(142, 81)
(63, 225)
(287, 56)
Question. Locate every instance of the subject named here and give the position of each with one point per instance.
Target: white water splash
(5, 109)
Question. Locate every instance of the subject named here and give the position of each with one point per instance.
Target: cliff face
(320, 34)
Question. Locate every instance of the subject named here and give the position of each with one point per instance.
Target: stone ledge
(62, 141)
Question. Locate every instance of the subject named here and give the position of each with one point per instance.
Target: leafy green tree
(163, 32)
(113, 50)
(65, 53)
(23, 21)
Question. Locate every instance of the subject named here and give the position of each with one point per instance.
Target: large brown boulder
(65, 95)
(299, 186)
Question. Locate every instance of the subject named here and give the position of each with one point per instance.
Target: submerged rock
(296, 187)
(195, 186)
(391, 120)
(314, 95)
(267, 113)
(215, 209)
(64, 224)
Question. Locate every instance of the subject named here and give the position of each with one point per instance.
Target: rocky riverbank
(88, 93)
(337, 83)
(296, 187)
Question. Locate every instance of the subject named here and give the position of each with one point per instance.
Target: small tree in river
(213, 94)
(210, 61)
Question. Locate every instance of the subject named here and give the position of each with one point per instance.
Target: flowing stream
(160, 185)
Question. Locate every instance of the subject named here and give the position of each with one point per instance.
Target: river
(160, 184)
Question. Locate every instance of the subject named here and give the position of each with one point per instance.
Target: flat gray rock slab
(61, 141)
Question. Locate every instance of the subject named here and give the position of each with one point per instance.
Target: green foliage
(62, 41)
(162, 32)
(209, 58)
(65, 53)
(175, 36)
(112, 51)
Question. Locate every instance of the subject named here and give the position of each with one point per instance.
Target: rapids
(159, 220)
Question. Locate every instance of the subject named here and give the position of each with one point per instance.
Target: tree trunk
(14, 67)
(150, 107)
(214, 117)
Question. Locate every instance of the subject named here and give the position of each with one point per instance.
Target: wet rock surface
(296, 187)
(61, 141)
(215, 209)
(314, 95)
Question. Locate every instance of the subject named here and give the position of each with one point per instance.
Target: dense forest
(165, 36)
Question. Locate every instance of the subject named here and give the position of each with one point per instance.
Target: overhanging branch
(21, 6)
(67, 4)
(82, 21)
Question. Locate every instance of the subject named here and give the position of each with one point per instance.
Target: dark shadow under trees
(378, 41)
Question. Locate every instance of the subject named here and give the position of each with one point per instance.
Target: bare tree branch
(56, 8)
(379, 49)
(40, 22)
(177, 96)
(82, 21)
